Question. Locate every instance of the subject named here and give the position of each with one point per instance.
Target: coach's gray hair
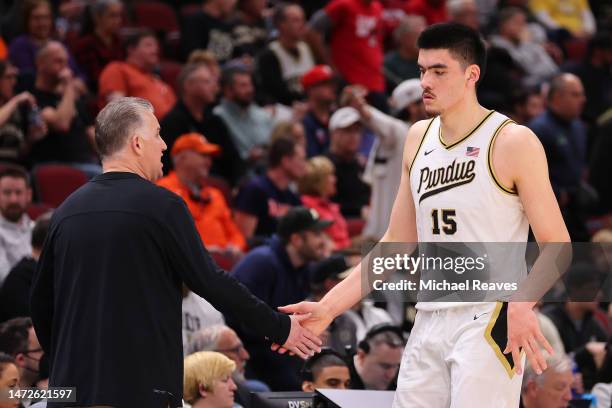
(558, 363)
(206, 339)
(117, 121)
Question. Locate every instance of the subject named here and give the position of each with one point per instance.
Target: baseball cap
(196, 142)
(343, 118)
(316, 75)
(334, 267)
(300, 219)
(406, 93)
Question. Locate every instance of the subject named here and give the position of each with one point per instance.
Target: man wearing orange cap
(192, 157)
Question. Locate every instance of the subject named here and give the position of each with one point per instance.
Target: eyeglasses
(30, 351)
(236, 349)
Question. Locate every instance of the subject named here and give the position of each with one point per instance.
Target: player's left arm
(520, 162)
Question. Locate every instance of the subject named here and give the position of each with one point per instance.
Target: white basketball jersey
(456, 194)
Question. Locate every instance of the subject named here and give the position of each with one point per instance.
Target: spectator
(527, 105)
(594, 72)
(574, 16)
(15, 225)
(20, 123)
(434, 11)
(401, 63)
(289, 130)
(376, 364)
(288, 57)
(353, 194)
(18, 339)
(37, 20)
(208, 381)
(209, 29)
(59, 96)
(564, 138)
(320, 88)
(264, 199)
(326, 369)
(317, 186)
(15, 292)
(250, 31)
(283, 261)
(531, 56)
(135, 76)
(224, 340)
(356, 51)
(9, 379)
(464, 12)
(99, 42)
(552, 388)
(249, 125)
(192, 113)
(198, 314)
(207, 58)
(192, 156)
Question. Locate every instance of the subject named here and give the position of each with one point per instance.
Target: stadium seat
(54, 182)
(169, 71)
(222, 185)
(156, 16)
(35, 210)
(225, 262)
(355, 226)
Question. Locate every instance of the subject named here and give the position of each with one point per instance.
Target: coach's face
(380, 366)
(554, 392)
(149, 147)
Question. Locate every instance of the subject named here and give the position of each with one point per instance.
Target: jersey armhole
(420, 144)
(496, 181)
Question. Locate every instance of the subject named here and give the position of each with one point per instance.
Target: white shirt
(15, 243)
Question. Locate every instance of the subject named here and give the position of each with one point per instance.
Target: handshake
(308, 321)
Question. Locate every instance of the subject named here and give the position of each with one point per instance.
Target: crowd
(284, 124)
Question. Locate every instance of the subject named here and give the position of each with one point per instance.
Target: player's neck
(460, 119)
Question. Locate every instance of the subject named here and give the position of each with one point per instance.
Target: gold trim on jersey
(470, 133)
(494, 345)
(420, 144)
(498, 183)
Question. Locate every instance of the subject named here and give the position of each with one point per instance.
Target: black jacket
(106, 300)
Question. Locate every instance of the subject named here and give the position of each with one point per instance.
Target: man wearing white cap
(353, 194)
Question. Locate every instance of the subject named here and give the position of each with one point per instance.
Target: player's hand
(524, 334)
(301, 341)
(318, 319)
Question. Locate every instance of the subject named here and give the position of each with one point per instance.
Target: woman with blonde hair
(208, 380)
(317, 187)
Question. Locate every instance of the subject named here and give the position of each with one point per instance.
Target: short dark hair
(133, 39)
(315, 364)
(229, 73)
(40, 230)
(5, 359)
(186, 72)
(279, 149)
(15, 171)
(507, 13)
(461, 41)
(14, 335)
(279, 13)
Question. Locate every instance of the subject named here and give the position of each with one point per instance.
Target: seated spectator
(289, 130)
(15, 225)
(464, 12)
(37, 17)
(18, 339)
(224, 340)
(564, 138)
(513, 36)
(353, 194)
(208, 381)
(317, 186)
(15, 292)
(434, 11)
(192, 156)
(320, 87)
(209, 29)
(326, 369)
(198, 314)
(288, 57)
(9, 379)
(192, 113)
(284, 260)
(249, 125)
(401, 63)
(355, 32)
(376, 364)
(207, 58)
(574, 16)
(527, 105)
(20, 122)
(99, 42)
(136, 77)
(261, 201)
(250, 31)
(63, 109)
(552, 388)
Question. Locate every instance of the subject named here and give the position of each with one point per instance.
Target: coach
(106, 299)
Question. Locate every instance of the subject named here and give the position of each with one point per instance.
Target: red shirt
(356, 42)
(329, 210)
(432, 13)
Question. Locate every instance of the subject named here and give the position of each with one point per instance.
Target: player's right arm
(402, 228)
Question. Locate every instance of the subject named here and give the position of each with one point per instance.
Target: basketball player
(462, 354)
